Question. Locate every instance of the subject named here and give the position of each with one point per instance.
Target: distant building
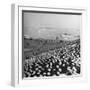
(69, 37)
(57, 39)
(26, 36)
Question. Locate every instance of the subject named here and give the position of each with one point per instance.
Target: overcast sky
(48, 25)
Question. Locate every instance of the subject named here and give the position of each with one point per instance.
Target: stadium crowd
(61, 61)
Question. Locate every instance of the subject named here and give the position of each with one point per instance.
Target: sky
(46, 25)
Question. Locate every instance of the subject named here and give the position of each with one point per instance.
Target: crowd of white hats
(65, 60)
